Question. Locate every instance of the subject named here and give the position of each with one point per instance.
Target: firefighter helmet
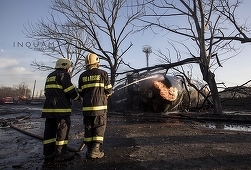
(91, 59)
(63, 63)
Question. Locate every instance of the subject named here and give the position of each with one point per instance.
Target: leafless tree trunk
(203, 24)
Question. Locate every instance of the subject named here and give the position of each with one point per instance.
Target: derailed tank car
(157, 93)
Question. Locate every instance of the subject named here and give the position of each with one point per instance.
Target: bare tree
(105, 23)
(15, 91)
(208, 26)
(61, 39)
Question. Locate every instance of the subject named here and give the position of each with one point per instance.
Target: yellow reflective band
(49, 141)
(108, 87)
(100, 138)
(62, 142)
(69, 88)
(50, 79)
(57, 110)
(88, 139)
(53, 86)
(92, 85)
(94, 138)
(94, 108)
(76, 98)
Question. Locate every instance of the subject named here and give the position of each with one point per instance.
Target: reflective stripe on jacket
(58, 92)
(94, 86)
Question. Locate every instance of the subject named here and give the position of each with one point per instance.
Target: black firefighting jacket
(58, 92)
(94, 86)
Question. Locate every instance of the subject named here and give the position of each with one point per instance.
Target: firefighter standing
(57, 110)
(94, 86)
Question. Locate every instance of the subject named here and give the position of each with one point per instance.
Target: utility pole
(33, 90)
(147, 50)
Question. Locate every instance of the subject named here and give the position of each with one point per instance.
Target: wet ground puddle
(228, 126)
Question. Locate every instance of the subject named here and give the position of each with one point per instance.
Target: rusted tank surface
(157, 93)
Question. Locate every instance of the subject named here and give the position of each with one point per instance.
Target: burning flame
(165, 92)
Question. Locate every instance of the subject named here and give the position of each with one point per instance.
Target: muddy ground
(188, 141)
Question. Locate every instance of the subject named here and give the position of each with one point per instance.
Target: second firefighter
(94, 86)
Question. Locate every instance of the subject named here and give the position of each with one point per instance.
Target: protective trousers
(94, 128)
(56, 135)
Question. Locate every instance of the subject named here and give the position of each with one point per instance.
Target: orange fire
(169, 94)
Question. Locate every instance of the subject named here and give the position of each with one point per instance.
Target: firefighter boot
(89, 148)
(64, 156)
(49, 158)
(95, 152)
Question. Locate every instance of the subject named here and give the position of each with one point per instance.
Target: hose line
(70, 148)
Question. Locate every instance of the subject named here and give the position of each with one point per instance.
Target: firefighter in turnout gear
(94, 86)
(57, 110)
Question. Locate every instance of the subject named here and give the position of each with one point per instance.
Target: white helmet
(63, 63)
(91, 59)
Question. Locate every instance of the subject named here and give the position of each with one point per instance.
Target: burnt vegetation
(237, 97)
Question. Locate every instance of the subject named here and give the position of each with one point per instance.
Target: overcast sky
(15, 59)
